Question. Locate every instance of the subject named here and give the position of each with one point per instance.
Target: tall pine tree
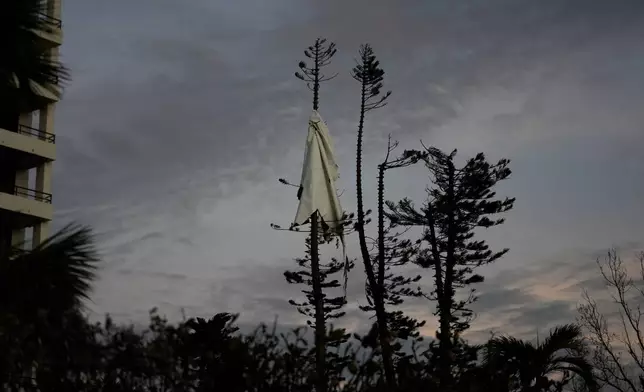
(370, 76)
(392, 251)
(319, 307)
(460, 201)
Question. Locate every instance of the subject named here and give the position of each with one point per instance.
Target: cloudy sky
(182, 115)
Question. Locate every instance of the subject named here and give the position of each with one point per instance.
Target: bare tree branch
(618, 356)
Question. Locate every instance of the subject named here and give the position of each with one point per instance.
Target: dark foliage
(392, 251)
(67, 265)
(510, 364)
(332, 305)
(321, 54)
(210, 354)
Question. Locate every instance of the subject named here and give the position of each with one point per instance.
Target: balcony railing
(32, 194)
(33, 132)
(50, 20)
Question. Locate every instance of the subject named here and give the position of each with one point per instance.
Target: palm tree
(54, 277)
(24, 60)
(41, 294)
(511, 364)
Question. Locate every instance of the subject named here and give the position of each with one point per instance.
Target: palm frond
(562, 351)
(505, 347)
(57, 275)
(23, 15)
(564, 337)
(23, 58)
(578, 365)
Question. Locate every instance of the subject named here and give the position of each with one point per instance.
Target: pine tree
(460, 201)
(370, 76)
(391, 252)
(318, 306)
(332, 305)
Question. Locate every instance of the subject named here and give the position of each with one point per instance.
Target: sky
(181, 116)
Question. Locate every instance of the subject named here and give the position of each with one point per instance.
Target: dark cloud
(500, 298)
(544, 315)
(162, 275)
(528, 321)
(594, 284)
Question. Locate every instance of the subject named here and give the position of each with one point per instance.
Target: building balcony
(23, 207)
(51, 33)
(35, 133)
(45, 94)
(50, 21)
(32, 194)
(42, 94)
(26, 147)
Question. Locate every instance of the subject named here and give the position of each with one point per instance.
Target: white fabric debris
(317, 186)
(319, 174)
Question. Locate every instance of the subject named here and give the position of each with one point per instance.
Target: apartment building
(27, 151)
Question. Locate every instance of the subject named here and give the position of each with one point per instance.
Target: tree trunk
(320, 327)
(376, 289)
(446, 298)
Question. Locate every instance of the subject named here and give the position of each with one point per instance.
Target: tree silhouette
(56, 276)
(392, 251)
(460, 201)
(370, 76)
(321, 54)
(319, 306)
(617, 349)
(41, 294)
(513, 364)
(332, 305)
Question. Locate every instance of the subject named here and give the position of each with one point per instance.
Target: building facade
(28, 150)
